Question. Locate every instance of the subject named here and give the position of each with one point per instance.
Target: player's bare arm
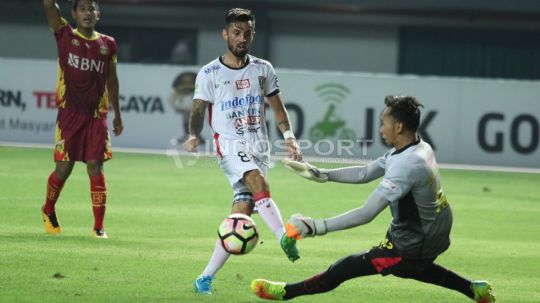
(284, 124)
(52, 11)
(113, 87)
(196, 122)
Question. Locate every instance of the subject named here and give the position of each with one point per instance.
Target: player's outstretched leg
(269, 212)
(289, 247)
(203, 284)
(52, 226)
(483, 292)
(268, 290)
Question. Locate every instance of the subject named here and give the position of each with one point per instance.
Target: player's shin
(98, 193)
(269, 212)
(203, 283)
(54, 187)
(219, 257)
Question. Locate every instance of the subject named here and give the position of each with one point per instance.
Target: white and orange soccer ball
(238, 234)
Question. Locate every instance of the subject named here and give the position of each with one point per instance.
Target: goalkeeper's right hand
(299, 227)
(306, 170)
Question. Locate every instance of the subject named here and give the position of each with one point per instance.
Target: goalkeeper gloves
(306, 170)
(299, 227)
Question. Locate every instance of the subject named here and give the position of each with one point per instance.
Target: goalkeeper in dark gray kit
(421, 215)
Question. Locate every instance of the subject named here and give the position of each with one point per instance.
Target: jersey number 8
(244, 157)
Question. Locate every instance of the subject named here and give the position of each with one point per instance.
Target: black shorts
(387, 260)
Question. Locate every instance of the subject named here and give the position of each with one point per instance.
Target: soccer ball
(238, 234)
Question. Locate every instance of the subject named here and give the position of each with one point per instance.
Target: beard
(239, 52)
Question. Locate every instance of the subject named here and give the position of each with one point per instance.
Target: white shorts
(235, 160)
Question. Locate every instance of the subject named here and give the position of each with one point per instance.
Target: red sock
(261, 195)
(98, 193)
(54, 186)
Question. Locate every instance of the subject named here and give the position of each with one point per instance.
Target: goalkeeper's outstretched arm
(358, 216)
(299, 226)
(356, 174)
(351, 174)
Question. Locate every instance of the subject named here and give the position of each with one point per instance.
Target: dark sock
(345, 269)
(314, 285)
(438, 275)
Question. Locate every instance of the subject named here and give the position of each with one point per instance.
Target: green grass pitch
(162, 223)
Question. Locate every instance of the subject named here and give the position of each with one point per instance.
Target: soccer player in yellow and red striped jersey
(87, 81)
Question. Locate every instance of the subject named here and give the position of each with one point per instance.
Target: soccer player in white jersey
(234, 88)
(421, 216)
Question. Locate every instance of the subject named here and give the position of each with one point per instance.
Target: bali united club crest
(104, 50)
(262, 82)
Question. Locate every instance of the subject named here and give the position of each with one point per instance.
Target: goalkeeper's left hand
(306, 170)
(299, 227)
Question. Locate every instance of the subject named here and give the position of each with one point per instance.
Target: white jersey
(236, 102)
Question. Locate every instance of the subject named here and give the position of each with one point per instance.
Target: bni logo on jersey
(85, 64)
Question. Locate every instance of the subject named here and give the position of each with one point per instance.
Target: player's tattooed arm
(284, 124)
(196, 118)
(280, 113)
(52, 11)
(196, 122)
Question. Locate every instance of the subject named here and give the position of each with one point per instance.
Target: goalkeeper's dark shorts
(388, 261)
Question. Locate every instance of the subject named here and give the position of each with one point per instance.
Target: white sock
(219, 257)
(269, 212)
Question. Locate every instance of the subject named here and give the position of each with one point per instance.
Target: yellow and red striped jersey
(83, 70)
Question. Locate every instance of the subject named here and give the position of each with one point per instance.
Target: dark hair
(239, 15)
(405, 109)
(76, 2)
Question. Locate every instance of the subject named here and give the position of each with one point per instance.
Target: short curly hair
(405, 109)
(239, 15)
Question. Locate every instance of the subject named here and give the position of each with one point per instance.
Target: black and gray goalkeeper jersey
(421, 216)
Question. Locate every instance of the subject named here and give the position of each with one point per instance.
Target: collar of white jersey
(235, 68)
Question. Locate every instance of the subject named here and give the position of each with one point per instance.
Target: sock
(54, 187)
(98, 193)
(438, 275)
(350, 267)
(314, 285)
(269, 212)
(219, 257)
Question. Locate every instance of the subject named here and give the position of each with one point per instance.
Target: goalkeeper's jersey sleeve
(421, 216)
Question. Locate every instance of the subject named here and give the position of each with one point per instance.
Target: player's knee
(347, 268)
(332, 279)
(255, 181)
(63, 170)
(94, 168)
(252, 175)
(243, 207)
(62, 174)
